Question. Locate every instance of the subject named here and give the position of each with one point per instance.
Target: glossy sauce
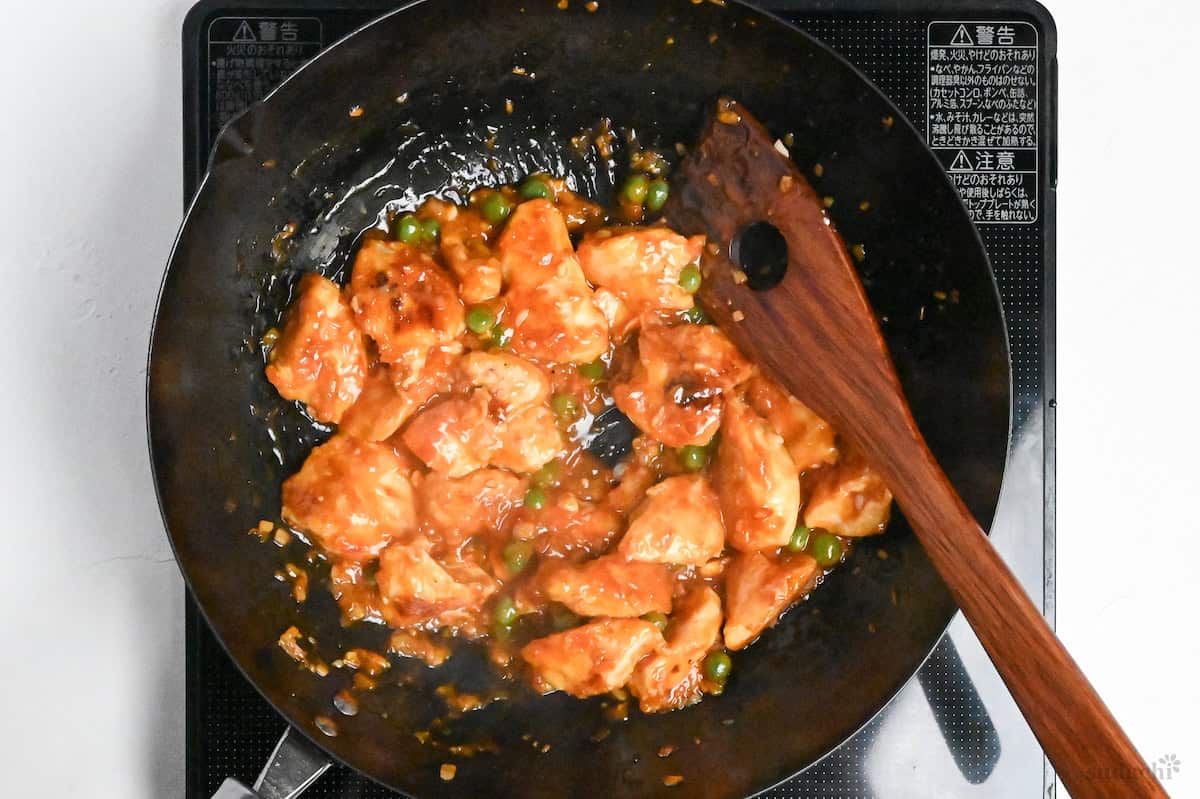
(459, 499)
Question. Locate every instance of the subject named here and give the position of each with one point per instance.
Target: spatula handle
(1087, 747)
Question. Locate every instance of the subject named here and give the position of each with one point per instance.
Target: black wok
(432, 81)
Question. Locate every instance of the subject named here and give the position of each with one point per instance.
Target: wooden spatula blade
(816, 334)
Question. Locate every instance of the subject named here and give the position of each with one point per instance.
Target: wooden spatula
(815, 327)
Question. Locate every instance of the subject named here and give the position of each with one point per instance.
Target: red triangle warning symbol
(962, 163)
(962, 37)
(244, 33)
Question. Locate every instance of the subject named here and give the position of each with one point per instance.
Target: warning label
(250, 56)
(983, 115)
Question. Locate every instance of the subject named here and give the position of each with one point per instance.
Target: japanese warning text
(983, 115)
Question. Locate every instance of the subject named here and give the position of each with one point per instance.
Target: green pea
(593, 371)
(635, 189)
(496, 208)
(695, 315)
(505, 613)
(694, 458)
(563, 618)
(717, 667)
(564, 406)
(827, 549)
(656, 195)
(501, 336)
(800, 537)
(659, 620)
(407, 229)
(430, 229)
(535, 498)
(689, 279)
(517, 555)
(535, 189)
(481, 319)
(548, 475)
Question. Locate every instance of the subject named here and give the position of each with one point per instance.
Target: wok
(439, 108)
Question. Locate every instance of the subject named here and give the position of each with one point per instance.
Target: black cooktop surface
(952, 731)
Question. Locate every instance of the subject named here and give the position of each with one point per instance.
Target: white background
(91, 679)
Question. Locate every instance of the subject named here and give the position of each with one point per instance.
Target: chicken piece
(678, 522)
(568, 525)
(757, 483)
(641, 266)
(405, 302)
(636, 480)
(809, 438)
(548, 303)
(578, 212)
(675, 391)
(419, 645)
(418, 590)
(455, 509)
(352, 496)
(670, 678)
(648, 463)
(386, 403)
(455, 436)
(621, 320)
(528, 440)
(320, 358)
(593, 659)
(512, 381)
(356, 595)
(849, 499)
(758, 591)
(465, 237)
(609, 586)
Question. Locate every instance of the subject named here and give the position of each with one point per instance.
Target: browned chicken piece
(641, 266)
(674, 392)
(609, 586)
(569, 525)
(405, 302)
(849, 499)
(417, 589)
(512, 381)
(455, 509)
(320, 358)
(756, 480)
(548, 304)
(593, 659)
(670, 678)
(351, 496)
(465, 237)
(809, 438)
(455, 435)
(678, 522)
(758, 591)
(386, 402)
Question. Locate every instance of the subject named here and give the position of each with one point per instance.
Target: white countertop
(90, 186)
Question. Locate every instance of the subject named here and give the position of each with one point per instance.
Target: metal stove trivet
(981, 79)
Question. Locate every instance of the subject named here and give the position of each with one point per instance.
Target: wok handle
(295, 764)
(1084, 743)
